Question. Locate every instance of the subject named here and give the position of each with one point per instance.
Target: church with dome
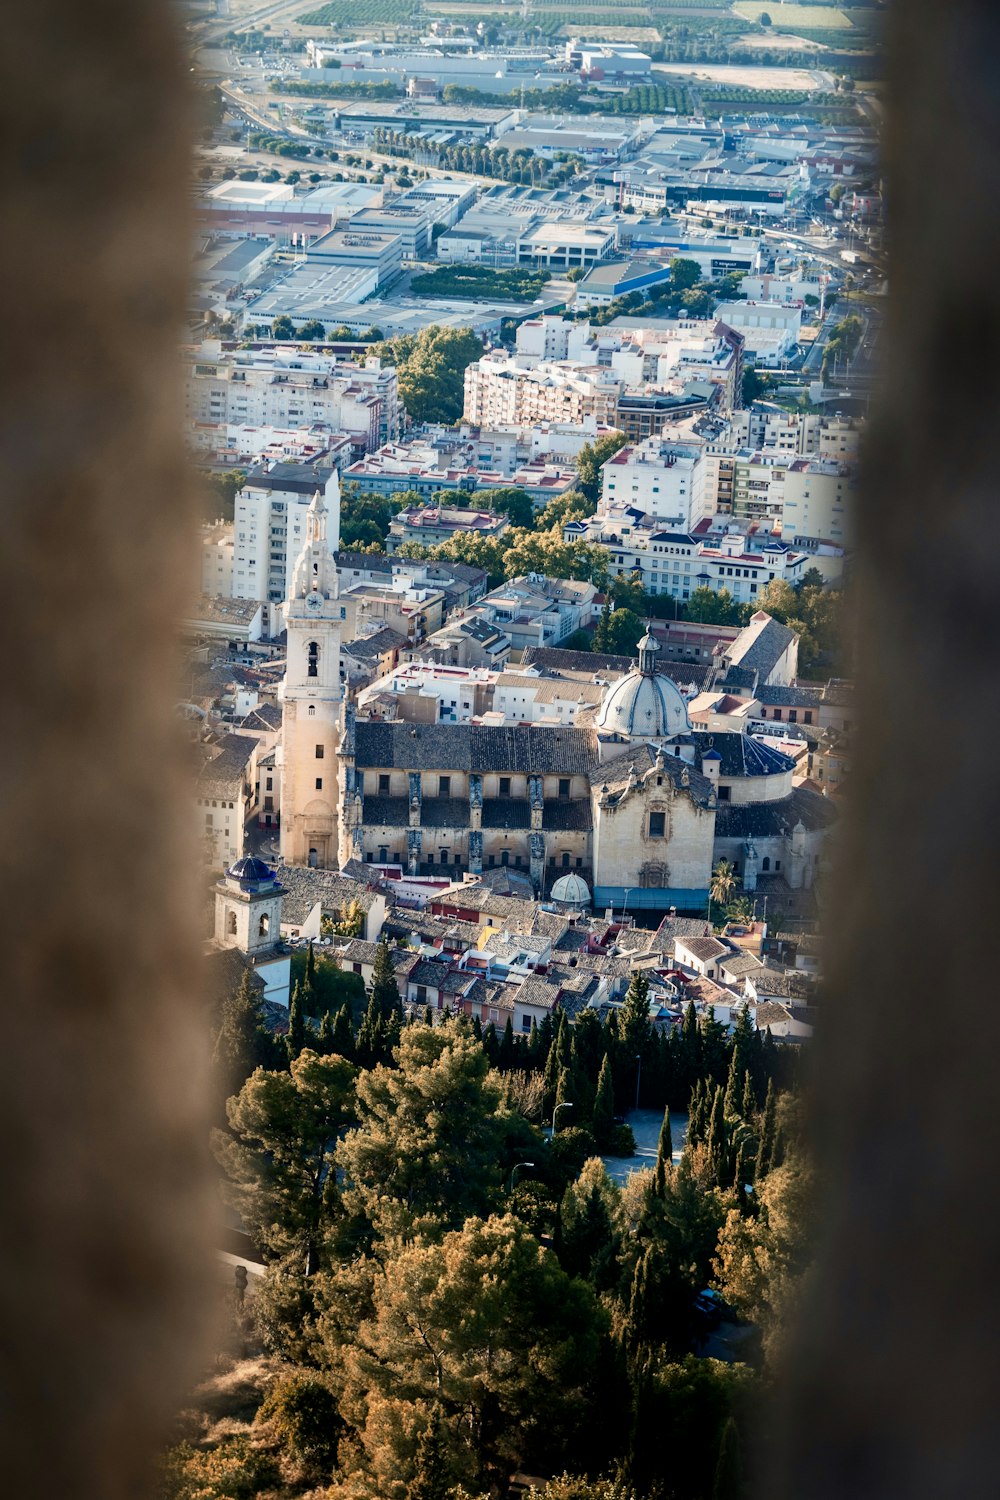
(627, 806)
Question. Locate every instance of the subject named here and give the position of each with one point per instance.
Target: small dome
(647, 705)
(250, 869)
(572, 890)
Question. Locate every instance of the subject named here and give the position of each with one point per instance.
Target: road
(646, 1125)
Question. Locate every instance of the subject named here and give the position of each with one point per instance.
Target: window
(231, 924)
(319, 783)
(444, 786)
(269, 784)
(505, 786)
(313, 659)
(320, 752)
(765, 863)
(505, 856)
(421, 992)
(657, 825)
(312, 710)
(776, 714)
(564, 786)
(793, 715)
(383, 785)
(807, 717)
(264, 925)
(777, 864)
(723, 793)
(565, 859)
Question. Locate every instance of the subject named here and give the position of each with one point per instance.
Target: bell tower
(311, 700)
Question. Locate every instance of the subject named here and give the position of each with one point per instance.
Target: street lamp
(566, 1104)
(514, 1171)
(628, 892)
(638, 1078)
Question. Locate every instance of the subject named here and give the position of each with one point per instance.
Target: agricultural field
(784, 14)
(360, 13)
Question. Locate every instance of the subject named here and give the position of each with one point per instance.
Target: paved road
(645, 1125)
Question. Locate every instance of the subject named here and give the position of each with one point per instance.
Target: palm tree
(723, 883)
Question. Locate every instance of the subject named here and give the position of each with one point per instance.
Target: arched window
(313, 659)
(231, 924)
(312, 710)
(765, 863)
(264, 925)
(313, 858)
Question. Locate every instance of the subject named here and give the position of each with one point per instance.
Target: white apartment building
(459, 693)
(550, 337)
(270, 530)
(217, 560)
(283, 387)
(743, 315)
(678, 562)
(500, 389)
(665, 480)
(799, 433)
(818, 496)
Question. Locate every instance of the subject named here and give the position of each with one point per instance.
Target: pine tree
(430, 1480)
(767, 1133)
(604, 1107)
(296, 1038)
(664, 1155)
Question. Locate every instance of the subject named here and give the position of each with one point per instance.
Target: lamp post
(638, 1078)
(514, 1171)
(628, 892)
(566, 1104)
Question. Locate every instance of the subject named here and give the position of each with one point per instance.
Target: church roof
(743, 820)
(741, 754)
(760, 645)
(644, 703)
(518, 748)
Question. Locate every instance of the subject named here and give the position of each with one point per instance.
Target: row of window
(443, 782)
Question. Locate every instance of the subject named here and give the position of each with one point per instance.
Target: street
(646, 1125)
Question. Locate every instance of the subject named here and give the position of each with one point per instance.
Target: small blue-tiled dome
(251, 869)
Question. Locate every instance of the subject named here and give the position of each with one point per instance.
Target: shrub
(622, 1142)
(302, 1413)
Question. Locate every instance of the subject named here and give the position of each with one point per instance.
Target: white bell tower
(311, 699)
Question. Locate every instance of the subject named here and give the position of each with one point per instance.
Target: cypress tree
(536, 1050)
(243, 1041)
(343, 1033)
(325, 1043)
(634, 1020)
(767, 1133)
(748, 1104)
(508, 1055)
(309, 982)
(296, 1038)
(691, 1034)
(716, 1137)
(491, 1044)
(546, 1032)
(664, 1155)
(477, 1028)
(734, 1087)
(696, 1115)
(428, 1015)
(564, 1095)
(369, 1049)
(385, 990)
(728, 1481)
(430, 1479)
(391, 1031)
(604, 1107)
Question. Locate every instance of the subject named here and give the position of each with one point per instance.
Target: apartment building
(540, 611)
(818, 496)
(430, 524)
(270, 528)
(663, 479)
(217, 560)
(282, 387)
(500, 388)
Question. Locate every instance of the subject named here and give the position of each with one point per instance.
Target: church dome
(644, 703)
(572, 890)
(250, 869)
